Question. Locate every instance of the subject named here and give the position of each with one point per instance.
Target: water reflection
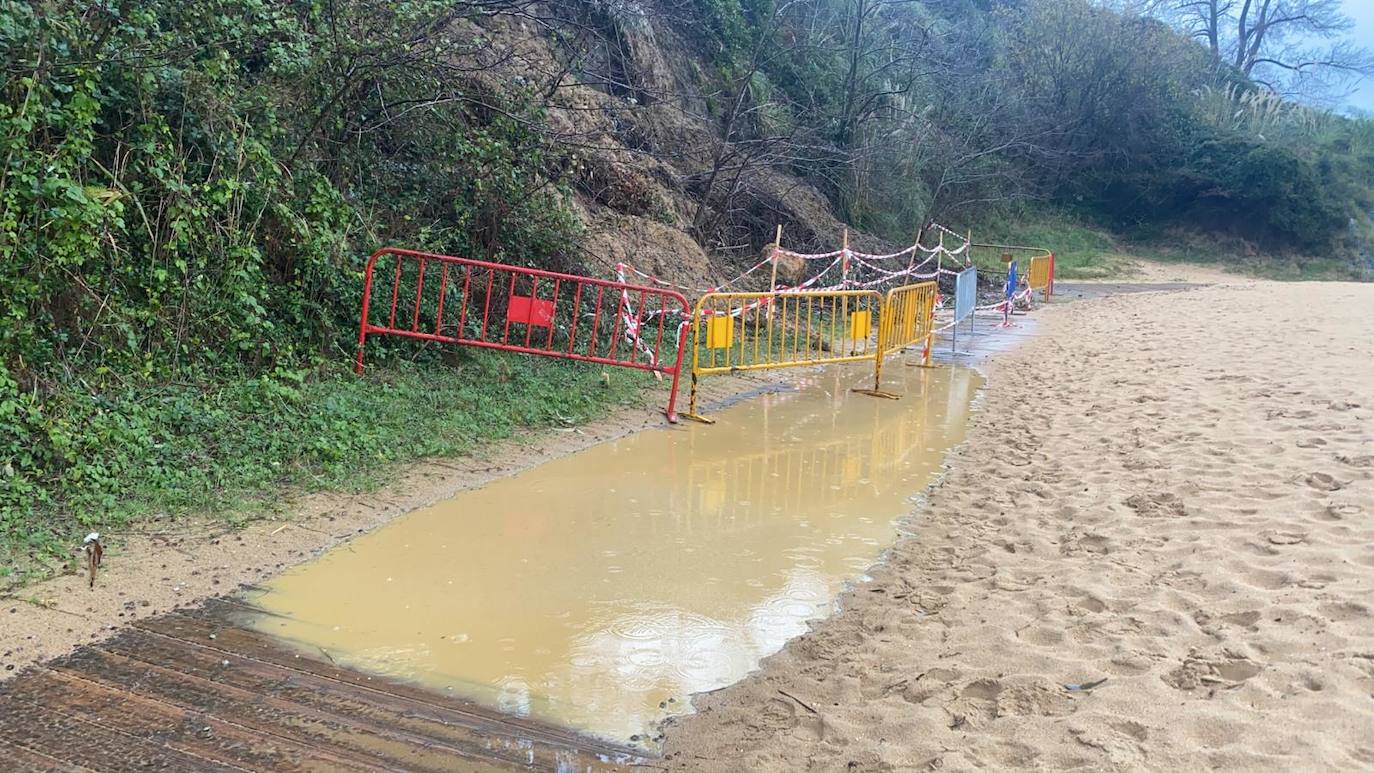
(600, 590)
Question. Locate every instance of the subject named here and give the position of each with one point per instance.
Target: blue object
(1011, 280)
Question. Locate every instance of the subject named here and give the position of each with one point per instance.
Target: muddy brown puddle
(600, 590)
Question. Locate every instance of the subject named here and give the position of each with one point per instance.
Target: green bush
(1255, 187)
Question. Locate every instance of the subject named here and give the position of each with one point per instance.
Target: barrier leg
(362, 317)
(877, 391)
(692, 404)
(671, 410)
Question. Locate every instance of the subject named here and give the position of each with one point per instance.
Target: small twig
(50, 606)
(799, 701)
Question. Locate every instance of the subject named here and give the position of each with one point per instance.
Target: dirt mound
(639, 137)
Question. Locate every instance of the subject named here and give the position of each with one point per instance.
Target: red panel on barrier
(530, 311)
(476, 303)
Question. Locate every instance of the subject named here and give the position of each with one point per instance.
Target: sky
(1362, 11)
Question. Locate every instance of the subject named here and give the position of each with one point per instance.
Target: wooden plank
(366, 745)
(227, 620)
(162, 724)
(198, 690)
(222, 621)
(475, 737)
(18, 758)
(47, 731)
(359, 738)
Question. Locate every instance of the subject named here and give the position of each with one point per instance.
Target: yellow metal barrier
(734, 332)
(1040, 274)
(907, 318)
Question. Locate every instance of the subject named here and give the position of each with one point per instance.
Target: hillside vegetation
(189, 191)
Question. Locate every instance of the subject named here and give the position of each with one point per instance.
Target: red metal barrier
(473, 303)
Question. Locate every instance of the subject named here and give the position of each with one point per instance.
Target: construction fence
(839, 313)
(1032, 268)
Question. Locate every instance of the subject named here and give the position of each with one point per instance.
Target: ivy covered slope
(189, 190)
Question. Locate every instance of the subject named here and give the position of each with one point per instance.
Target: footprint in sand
(1314, 442)
(1344, 611)
(1286, 413)
(1157, 504)
(1365, 460)
(1034, 700)
(1133, 729)
(1340, 512)
(1086, 543)
(982, 689)
(777, 714)
(1092, 604)
(1323, 482)
(1041, 636)
(1200, 672)
(1243, 619)
(932, 683)
(1266, 579)
(976, 705)
(1283, 537)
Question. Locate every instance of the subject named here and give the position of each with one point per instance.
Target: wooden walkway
(195, 690)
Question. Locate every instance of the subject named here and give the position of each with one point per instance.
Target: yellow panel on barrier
(761, 331)
(860, 324)
(720, 332)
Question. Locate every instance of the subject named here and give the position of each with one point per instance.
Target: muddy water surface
(600, 590)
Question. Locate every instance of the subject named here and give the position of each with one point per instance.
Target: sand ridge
(1173, 492)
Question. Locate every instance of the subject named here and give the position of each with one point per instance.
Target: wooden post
(777, 245)
(844, 261)
(915, 248)
(773, 283)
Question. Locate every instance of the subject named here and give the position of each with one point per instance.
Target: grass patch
(1231, 253)
(1083, 251)
(231, 450)
(1080, 251)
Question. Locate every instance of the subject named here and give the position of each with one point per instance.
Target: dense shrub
(188, 192)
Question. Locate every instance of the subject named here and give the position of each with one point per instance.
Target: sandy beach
(1171, 492)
